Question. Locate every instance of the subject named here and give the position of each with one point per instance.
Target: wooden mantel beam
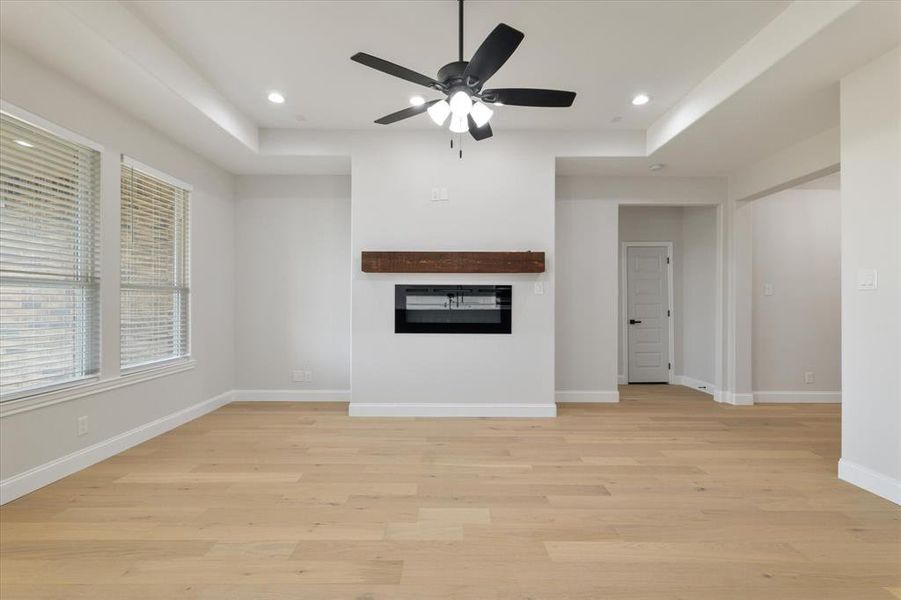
(452, 262)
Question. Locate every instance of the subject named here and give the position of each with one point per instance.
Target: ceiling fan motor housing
(451, 74)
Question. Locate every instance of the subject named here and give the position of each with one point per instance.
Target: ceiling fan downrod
(460, 11)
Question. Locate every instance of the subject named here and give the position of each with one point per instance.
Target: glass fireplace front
(452, 308)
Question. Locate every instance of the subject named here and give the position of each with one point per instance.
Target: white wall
(30, 439)
(871, 239)
(294, 265)
(796, 250)
(501, 198)
(698, 271)
(588, 212)
(586, 331)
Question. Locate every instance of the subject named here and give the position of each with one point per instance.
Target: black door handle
(633, 321)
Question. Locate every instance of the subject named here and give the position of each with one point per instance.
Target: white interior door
(647, 300)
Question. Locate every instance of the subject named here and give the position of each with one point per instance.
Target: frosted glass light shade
(459, 124)
(439, 112)
(481, 114)
(460, 104)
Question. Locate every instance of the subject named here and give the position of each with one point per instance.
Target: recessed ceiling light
(656, 166)
(616, 119)
(276, 98)
(24, 143)
(417, 100)
(641, 99)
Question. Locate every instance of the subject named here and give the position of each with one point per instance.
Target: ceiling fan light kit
(462, 84)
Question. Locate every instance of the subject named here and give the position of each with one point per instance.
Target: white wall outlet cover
(443, 195)
(297, 376)
(808, 376)
(767, 289)
(539, 288)
(866, 279)
(308, 376)
(436, 194)
(82, 426)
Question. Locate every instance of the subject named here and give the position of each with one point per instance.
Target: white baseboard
(797, 397)
(696, 384)
(462, 409)
(743, 399)
(587, 396)
(869, 480)
(291, 396)
(18, 485)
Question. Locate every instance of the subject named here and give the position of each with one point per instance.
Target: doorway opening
(796, 298)
(668, 295)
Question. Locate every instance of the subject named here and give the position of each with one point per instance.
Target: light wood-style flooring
(665, 495)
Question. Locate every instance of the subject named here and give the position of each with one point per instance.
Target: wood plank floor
(666, 495)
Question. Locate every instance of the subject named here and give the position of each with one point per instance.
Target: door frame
(624, 309)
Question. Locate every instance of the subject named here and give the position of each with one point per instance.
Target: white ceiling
(605, 51)
(764, 73)
(797, 98)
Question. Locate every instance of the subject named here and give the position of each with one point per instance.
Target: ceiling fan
(462, 82)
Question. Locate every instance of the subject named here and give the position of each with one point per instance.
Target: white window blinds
(49, 270)
(155, 283)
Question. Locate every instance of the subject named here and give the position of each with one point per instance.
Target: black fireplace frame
(504, 304)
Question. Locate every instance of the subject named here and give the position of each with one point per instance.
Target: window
(155, 284)
(49, 269)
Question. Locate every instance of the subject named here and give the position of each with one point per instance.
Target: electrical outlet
(82, 426)
(297, 376)
(443, 195)
(308, 376)
(539, 288)
(436, 194)
(767, 289)
(808, 376)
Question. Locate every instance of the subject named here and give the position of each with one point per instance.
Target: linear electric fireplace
(452, 308)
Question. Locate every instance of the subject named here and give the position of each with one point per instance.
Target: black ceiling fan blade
(380, 64)
(406, 113)
(530, 97)
(479, 133)
(493, 53)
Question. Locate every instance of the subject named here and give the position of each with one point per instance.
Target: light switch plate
(866, 279)
(539, 288)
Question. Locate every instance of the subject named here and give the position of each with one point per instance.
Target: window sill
(41, 400)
